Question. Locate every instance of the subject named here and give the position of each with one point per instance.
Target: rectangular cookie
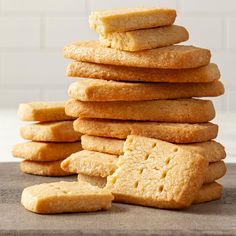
(59, 197)
(60, 131)
(170, 132)
(90, 163)
(103, 90)
(41, 151)
(120, 20)
(211, 150)
(170, 57)
(43, 168)
(204, 74)
(42, 111)
(179, 111)
(157, 174)
(144, 39)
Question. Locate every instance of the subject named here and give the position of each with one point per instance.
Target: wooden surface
(214, 218)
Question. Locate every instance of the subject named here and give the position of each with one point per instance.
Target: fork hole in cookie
(175, 149)
(136, 184)
(167, 161)
(146, 156)
(163, 175)
(160, 188)
(141, 171)
(154, 145)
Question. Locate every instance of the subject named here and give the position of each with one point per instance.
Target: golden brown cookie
(42, 111)
(144, 39)
(130, 19)
(179, 111)
(41, 151)
(204, 74)
(156, 173)
(90, 163)
(170, 57)
(59, 197)
(208, 192)
(44, 168)
(103, 90)
(170, 132)
(60, 131)
(215, 171)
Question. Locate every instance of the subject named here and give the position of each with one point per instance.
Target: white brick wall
(33, 32)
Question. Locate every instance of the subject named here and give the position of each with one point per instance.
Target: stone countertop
(213, 218)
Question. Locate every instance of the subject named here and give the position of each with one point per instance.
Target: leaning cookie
(157, 174)
(90, 163)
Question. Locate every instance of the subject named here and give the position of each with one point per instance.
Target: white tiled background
(33, 32)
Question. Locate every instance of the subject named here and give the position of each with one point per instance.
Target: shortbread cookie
(212, 151)
(208, 192)
(93, 180)
(90, 163)
(156, 173)
(120, 20)
(41, 151)
(170, 132)
(202, 74)
(42, 111)
(61, 131)
(101, 144)
(138, 40)
(59, 197)
(215, 171)
(103, 90)
(179, 111)
(170, 57)
(44, 168)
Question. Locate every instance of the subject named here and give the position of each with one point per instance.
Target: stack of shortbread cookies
(52, 138)
(147, 140)
(141, 84)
